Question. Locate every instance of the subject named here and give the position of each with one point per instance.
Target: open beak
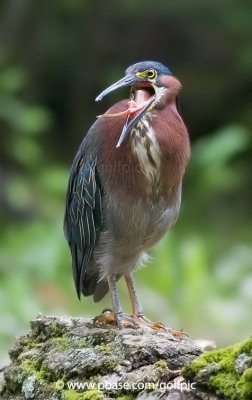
(125, 81)
(133, 113)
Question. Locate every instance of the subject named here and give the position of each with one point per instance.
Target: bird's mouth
(142, 98)
(141, 101)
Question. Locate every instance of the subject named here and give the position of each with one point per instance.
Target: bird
(124, 189)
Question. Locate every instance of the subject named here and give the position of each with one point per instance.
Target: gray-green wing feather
(83, 216)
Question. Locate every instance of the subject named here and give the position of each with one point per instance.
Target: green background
(55, 57)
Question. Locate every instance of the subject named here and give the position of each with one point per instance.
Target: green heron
(124, 190)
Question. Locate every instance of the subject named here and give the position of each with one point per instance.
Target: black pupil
(151, 74)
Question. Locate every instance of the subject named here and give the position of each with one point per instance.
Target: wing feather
(83, 215)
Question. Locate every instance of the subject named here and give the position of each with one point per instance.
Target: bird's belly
(128, 232)
(144, 224)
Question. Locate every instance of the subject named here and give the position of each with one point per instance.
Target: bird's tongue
(141, 97)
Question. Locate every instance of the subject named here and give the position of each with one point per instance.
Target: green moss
(65, 342)
(82, 344)
(62, 342)
(93, 395)
(111, 364)
(30, 367)
(27, 368)
(88, 395)
(126, 397)
(245, 384)
(246, 347)
(223, 378)
(28, 343)
(56, 330)
(226, 381)
(106, 348)
(161, 364)
(72, 395)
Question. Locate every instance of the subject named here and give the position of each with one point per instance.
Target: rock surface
(71, 359)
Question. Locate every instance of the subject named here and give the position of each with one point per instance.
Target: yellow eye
(151, 73)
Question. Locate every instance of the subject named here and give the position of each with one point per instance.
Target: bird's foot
(177, 334)
(108, 316)
(124, 320)
(159, 326)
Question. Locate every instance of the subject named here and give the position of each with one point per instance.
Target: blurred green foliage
(55, 57)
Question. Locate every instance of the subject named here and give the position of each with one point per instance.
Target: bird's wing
(83, 215)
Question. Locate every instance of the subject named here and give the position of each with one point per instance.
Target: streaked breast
(146, 148)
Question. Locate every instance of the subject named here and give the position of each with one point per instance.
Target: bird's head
(149, 81)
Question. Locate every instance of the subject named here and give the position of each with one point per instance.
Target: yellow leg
(115, 316)
(136, 306)
(138, 314)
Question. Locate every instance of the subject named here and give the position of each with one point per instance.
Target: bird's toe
(126, 321)
(159, 327)
(106, 317)
(121, 319)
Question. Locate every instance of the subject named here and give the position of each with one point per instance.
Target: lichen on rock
(71, 359)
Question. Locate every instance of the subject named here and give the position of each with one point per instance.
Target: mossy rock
(226, 372)
(88, 395)
(62, 350)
